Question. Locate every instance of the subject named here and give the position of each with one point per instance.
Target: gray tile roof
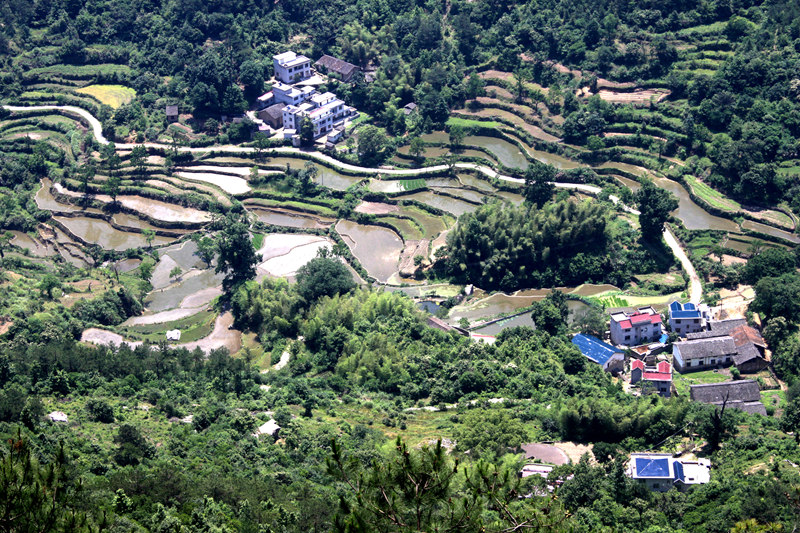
(713, 347)
(745, 390)
(333, 64)
(718, 328)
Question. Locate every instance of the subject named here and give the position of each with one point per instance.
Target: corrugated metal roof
(650, 467)
(595, 349)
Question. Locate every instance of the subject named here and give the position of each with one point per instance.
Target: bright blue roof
(646, 467)
(664, 338)
(595, 349)
(687, 310)
(679, 471)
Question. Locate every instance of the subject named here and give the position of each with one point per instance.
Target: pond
(769, 230)
(289, 219)
(692, 215)
(100, 232)
(428, 306)
(446, 203)
(376, 248)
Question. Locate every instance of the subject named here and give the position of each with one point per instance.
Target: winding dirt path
(695, 288)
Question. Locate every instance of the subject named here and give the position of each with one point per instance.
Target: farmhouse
(325, 111)
(658, 379)
(662, 471)
(688, 317)
(290, 67)
(743, 395)
(633, 329)
(749, 348)
(332, 65)
(273, 115)
(172, 113)
(702, 354)
(597, 351)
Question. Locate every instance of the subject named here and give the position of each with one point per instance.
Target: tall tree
(655, 205)
(237, 257)
(538, 184)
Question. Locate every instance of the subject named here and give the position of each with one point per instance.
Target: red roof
(638, 319)
(664, 366)
(657, 376)
(655, 319)
(637, 363)
(625, 324)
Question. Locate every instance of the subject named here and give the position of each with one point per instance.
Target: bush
(100, 411)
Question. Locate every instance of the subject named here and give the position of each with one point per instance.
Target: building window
(627, 337)
(713, 361)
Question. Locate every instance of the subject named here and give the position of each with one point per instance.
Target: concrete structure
(325, 111)
(597, 351)
(662, 471)
(174, 335)
(658, 379)
(290, 67)
(688, 317)
(632, 329)
(288, 95)
(743, 395)
(57, 416)
(332, 65)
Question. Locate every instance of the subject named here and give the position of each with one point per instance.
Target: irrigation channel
(379, 249)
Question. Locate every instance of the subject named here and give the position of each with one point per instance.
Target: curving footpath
(695, 287)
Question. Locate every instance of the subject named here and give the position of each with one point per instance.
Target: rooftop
(665, 466)
(337, 65)
(712, 347)
(595, 349)
(290, 59)
(718, 328)
(172, 110)
(740, 391)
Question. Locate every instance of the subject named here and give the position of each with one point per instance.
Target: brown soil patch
(546, 453)
(376, 208)
(639, 96)
(5, 324)
(412, 250)
(499, 91)
(732, 260)
(575, 451)
(534, 131)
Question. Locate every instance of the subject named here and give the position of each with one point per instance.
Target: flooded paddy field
(376, 248)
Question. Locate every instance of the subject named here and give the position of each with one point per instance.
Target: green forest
(508, 147)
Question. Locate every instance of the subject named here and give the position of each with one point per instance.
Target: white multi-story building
(286, 94)
(688, 317)
(323, 110)
(291, 68)
(633, 329)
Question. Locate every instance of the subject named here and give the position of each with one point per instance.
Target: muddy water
(282, 218)
(23, 240)
(46, 202)
(692, 215)
(473, 181)
(101, 232)
(125, 219)
(377, 249)
(466, 194)
(325, 176)
(769, 230)
(505, 152)
(633, 185)
(446, 203)
(172, 297)
(514, 198)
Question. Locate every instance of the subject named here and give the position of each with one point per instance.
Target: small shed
(270, 428)
(409, 108)
(172, 113)
(174, 335)
(612, 359)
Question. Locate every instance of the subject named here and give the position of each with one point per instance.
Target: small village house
(661, 471)
(610, 358)
(743, 395)
(702, 354)
(725, 343)
(290, 67)
(172, 113)
(654, 379)
(688, 317)
(273, 115)
(332, 65)
(632, 329)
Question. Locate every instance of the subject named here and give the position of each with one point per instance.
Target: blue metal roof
(664, 338)
(679, 471)
(646, 467)
(595, 349)
(675, 306)
(685, 314)
(689, 306)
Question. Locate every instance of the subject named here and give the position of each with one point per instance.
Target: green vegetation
(565, 243)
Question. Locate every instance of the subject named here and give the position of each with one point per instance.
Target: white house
(662, 471)
(325, 111)
(688, 317)
(700, 354)
(291, 68)
(633, 329)
(286, 94)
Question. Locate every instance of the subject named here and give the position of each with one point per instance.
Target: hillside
(213, 321)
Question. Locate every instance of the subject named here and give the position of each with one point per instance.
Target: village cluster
(294, 98)
(637, 339)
